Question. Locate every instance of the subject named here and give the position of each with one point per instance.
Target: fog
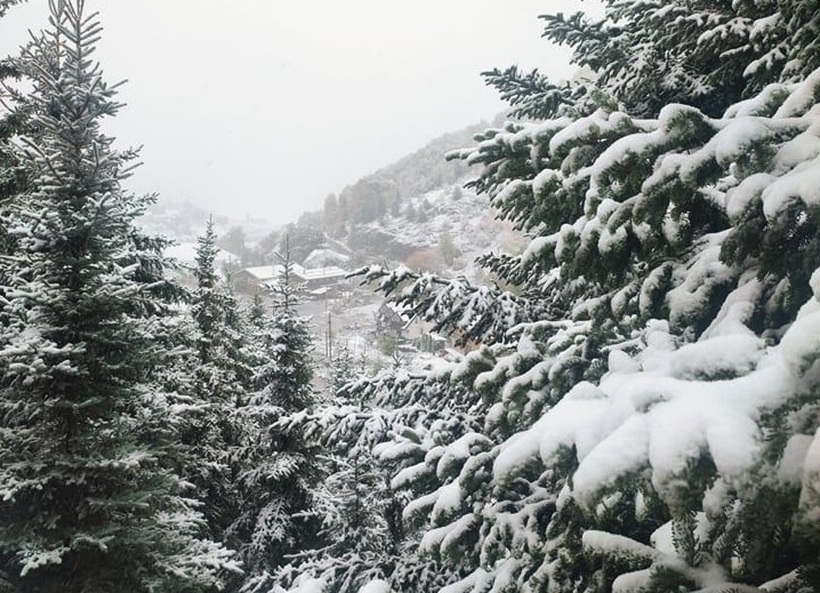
(260, 108)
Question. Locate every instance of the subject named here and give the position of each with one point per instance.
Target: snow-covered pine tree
(88, 501)
(208, 308)
(360, 534)
(6, 4)
(652, 403)
(225, 373)
(10, 184)
(221, 378)
(342, 368)
(12, 122)
(277, 519)
(364, 535)
(285, 380)
(10, 181)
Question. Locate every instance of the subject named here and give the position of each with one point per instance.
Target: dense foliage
(642, 404)
(89, 498)
(138, 420)
(277, 519)
(636, 409)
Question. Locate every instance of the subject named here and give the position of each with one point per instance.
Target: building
(314, 280)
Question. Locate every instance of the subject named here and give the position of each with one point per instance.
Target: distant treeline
(387, 190)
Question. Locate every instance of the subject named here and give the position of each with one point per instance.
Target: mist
(261, 108)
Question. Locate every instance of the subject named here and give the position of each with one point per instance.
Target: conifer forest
(637, 409)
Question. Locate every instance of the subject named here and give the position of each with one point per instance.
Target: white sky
(263, 107)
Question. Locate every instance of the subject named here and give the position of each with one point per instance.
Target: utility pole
(329, 345)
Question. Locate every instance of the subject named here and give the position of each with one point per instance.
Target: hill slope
(415, 211)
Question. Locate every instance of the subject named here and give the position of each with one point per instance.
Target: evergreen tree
(220, 381)
(6, 4)
(343, 367)
(225, 373)
(365, 536)
(285, 379)
(88, 500)
(12, 122)
(277, 520)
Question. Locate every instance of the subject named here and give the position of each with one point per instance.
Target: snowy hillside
(441, 230)
(415, 211)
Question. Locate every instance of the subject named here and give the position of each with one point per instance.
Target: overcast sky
(263, 107)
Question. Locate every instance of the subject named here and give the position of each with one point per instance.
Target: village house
(314, 280)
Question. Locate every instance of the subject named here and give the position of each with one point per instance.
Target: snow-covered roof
(268, 273)
(263, 273)
(321, 273)
(322, 257)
